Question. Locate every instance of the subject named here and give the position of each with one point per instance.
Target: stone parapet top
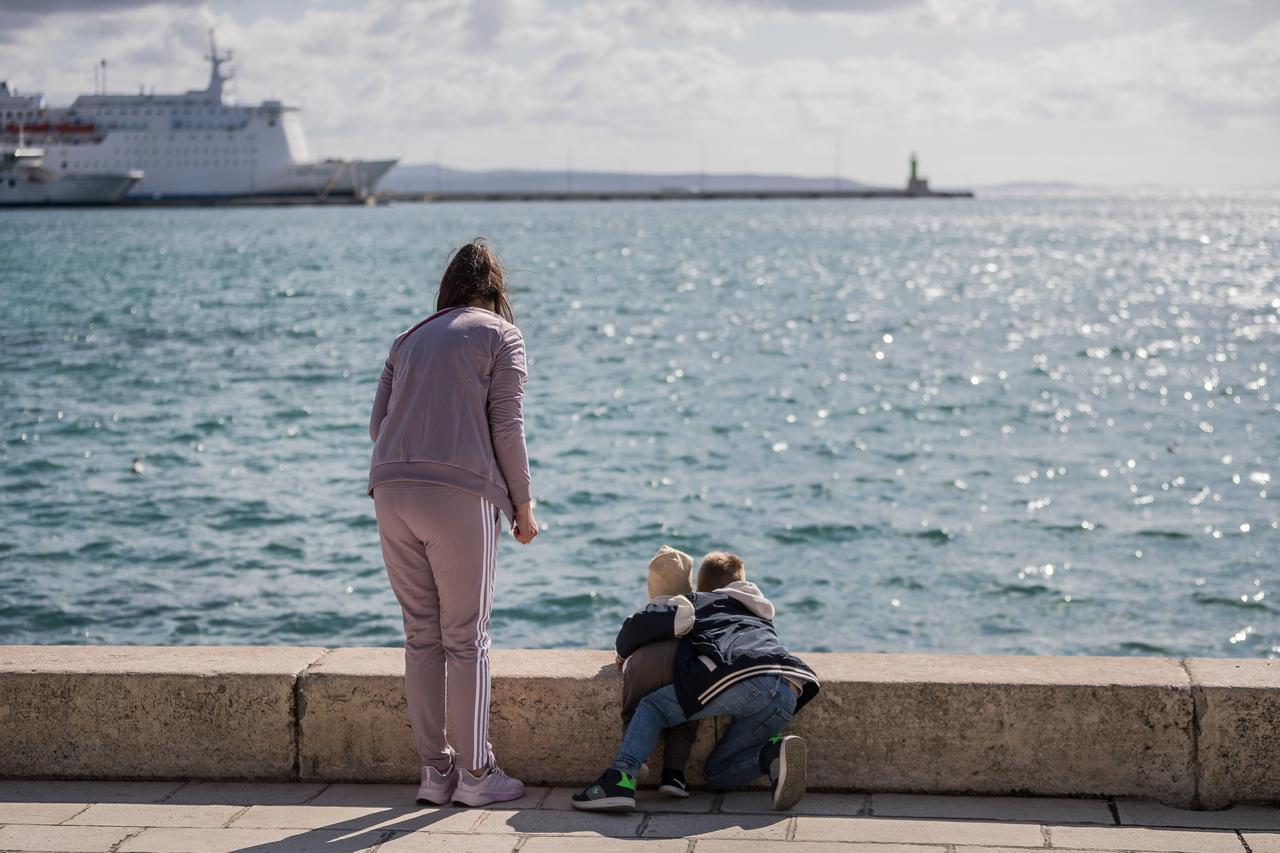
(158, 660)
(1196, 732)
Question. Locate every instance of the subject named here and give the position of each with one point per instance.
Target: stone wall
(1200, 732)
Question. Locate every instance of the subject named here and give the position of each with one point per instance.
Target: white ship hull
(66, 189)
(193, 146)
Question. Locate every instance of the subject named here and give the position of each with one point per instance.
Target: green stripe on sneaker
(627, 781)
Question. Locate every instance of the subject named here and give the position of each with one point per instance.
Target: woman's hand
(526, 526)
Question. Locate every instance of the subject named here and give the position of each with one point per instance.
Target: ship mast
(216, 60)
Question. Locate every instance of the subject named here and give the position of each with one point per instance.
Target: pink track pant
(440, 545)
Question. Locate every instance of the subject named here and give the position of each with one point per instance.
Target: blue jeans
(760, 707)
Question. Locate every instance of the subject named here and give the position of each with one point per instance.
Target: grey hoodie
(450, 408)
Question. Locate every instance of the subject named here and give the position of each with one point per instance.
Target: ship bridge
(15, 108)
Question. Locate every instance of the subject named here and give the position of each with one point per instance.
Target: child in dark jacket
(729, 662)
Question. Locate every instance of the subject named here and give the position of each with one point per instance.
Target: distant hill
(427, 178)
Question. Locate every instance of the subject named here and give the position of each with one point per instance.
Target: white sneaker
(494, 786)
(437, 788)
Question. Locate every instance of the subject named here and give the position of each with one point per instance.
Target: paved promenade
(341, 818)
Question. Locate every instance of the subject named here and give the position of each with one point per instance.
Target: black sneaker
(785, 759)
(614, 791)
(673, 784)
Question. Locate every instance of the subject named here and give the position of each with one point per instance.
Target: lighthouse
(917, 185)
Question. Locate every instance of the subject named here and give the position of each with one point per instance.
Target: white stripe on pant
(441, 559)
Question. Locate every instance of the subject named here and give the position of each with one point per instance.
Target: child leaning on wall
(729, 663)
(650, 668)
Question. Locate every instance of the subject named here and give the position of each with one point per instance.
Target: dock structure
(667, 195)
(917, 187)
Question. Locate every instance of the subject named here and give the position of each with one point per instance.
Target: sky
(1097, 92)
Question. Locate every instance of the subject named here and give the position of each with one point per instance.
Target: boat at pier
(198, 146)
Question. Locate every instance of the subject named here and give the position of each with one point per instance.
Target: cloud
(20, 14)
(837, 6)
(1175, 72)
(1087, 10)
(56, 7)
(869, 17)
(488, 21)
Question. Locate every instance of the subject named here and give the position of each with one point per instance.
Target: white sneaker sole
(673, 791)
(793, 773)
(475, 800)
(606, 804)
(438, 793)
(437, 798)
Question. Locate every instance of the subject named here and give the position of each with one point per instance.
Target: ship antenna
(216, 78)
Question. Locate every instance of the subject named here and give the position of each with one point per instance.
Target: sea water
(1010, 425)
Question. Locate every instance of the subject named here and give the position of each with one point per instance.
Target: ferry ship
(196, 146)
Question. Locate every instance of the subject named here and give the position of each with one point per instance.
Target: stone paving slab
(245, 793)
(906, 831)
(551, 822)
(965, 849)
(757, 802)
(1268, 842)
(154, 814)
(548, 844)
(1139, 813)
(64, 839)
(764, 827)
(348, 818)
(401, 819)
(188, 840)
(717, 845)
(419, 842)
(1029, 809)
(47, 813)
(375, 796)
(646, 800)
(38, 791)
(1146, 839)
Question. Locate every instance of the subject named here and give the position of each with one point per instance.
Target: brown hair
(475, 274)
(718, 570)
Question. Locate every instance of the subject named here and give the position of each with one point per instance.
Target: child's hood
(750, 596)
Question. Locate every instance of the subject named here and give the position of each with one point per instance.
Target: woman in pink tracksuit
(448, 457)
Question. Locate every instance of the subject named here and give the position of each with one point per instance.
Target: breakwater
(675, 194)
(1195, 732)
